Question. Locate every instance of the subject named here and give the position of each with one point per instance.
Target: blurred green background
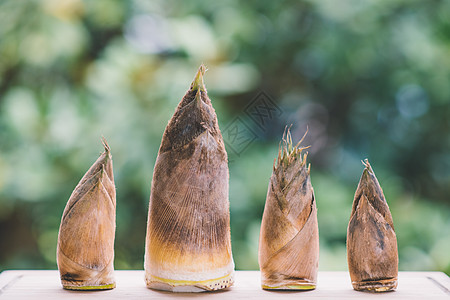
(370, 79)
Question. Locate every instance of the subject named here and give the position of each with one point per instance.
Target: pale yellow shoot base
(292, 287)
(376, 286)
(90, 287)
(190, 286)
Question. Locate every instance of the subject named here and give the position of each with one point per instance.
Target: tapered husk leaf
(85, 250)
(289, 238)
(371, 241)
(188, 245)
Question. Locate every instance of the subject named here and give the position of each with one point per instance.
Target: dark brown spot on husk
(304, 188)
(377, 280)
(71, 277)
(380, 234)
(189, 121)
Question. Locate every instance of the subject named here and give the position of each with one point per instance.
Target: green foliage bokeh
(368, 79)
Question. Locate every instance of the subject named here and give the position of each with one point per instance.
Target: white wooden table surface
(130, 285)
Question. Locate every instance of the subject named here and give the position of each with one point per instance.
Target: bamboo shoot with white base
(188, 244)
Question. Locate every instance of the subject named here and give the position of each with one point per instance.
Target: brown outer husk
(371, 241)
(289, 238)
(188, 231)
(85, 249)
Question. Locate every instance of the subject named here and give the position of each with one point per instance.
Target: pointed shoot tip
(366, 164)
(105, 144)
(197, 83)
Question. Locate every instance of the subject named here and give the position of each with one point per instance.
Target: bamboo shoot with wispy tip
(371, 241)
(289, 238)
(188, 244)
(85, 249)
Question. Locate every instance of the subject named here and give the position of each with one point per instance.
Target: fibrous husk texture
(188, 231)
(371, 241)
(85, 250)
(289, 238)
